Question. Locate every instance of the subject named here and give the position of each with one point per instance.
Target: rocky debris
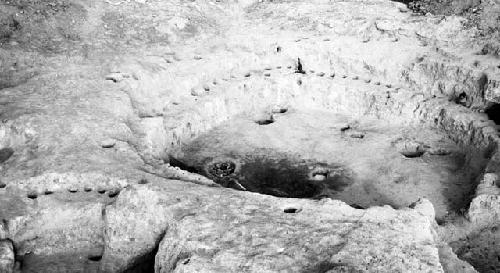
(480, 249)
(451, 263)
(7, 261)
(485, 207)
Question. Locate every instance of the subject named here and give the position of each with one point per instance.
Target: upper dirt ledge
(95, 94)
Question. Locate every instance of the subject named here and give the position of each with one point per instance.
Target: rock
(117, 76)
(108, 143)
(357, 135)
(7, 260)
(135, 224)
(439, 151)
(56, 228)
(316, 233)
(411, 149)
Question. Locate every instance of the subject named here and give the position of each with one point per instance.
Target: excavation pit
(305, 154)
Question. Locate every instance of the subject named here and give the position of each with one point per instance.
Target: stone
(108, 143)
(153, 216)
(7, 261)
(357, 135)
(58, 228)
(117, 76)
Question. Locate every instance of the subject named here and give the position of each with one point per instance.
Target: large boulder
(200, 229)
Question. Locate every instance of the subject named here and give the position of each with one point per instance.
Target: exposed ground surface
(387, 107)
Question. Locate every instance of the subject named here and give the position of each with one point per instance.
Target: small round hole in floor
(32, 195)
(95, 258)
(264, 121)
(222, 169)
(279, 110)
(113, 193)
(291, 210)
(412, 153)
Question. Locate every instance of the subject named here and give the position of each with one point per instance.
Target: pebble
(117, 76)
(113, 193)
(357, 135)
(32, 195)
(108, 143)
(439, 151)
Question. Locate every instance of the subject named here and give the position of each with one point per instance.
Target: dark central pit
(312, 154)
(283, 176)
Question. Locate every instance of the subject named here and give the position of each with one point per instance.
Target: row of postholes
(298, 68)
(6, 153)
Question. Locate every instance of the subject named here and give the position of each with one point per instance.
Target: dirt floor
(367, 161)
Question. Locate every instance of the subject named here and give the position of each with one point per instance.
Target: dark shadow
(493, 113)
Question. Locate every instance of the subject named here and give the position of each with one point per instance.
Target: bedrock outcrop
(95, 96)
